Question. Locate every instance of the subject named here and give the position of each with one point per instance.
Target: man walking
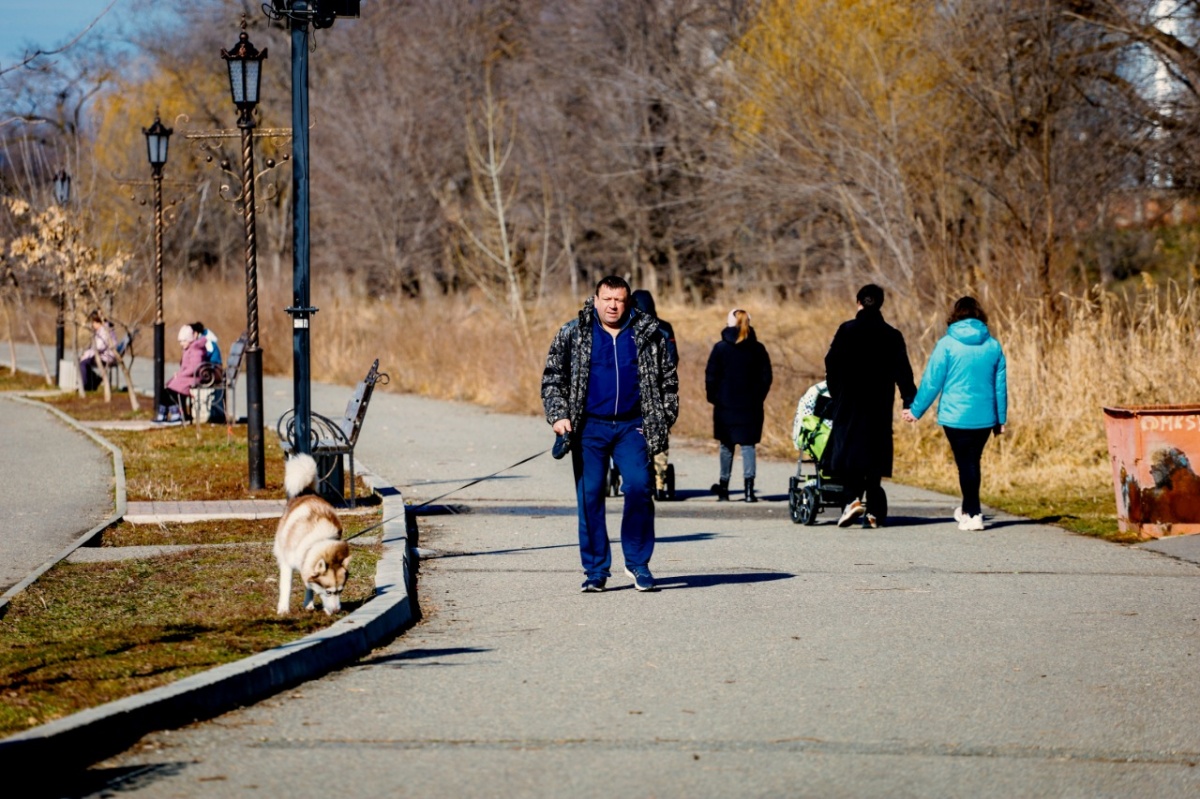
(611, 386)
(866, 363)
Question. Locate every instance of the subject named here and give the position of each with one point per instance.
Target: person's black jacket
(736, 380)
(866, 363)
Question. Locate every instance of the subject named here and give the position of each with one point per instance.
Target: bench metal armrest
(324, 435)
(210, 375)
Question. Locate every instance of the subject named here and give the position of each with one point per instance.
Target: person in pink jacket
(178, 391)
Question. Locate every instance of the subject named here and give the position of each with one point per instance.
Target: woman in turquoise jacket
(968, 371)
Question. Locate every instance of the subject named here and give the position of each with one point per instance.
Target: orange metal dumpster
(1154, 451)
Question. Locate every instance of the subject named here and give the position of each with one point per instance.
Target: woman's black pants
(967, 446)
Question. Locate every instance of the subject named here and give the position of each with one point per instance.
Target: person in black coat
(866, 363)
(644, 302)
(736, 380)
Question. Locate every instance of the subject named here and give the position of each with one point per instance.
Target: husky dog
(309, 540)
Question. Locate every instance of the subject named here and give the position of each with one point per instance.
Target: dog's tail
(300, 475)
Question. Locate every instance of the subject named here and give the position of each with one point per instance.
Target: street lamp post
(158, 138)
(62, 193)
(301, 14)
(245, 73)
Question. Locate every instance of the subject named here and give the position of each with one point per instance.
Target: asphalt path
(777, 660)
(55, 484)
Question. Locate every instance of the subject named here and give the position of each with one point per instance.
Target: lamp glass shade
(253, 78)
(237, 80)
(245, 71)
(158, 137)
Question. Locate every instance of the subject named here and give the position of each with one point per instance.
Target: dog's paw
(310, 606)
(282, 610)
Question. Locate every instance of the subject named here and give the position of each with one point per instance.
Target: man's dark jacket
(565, 378)
(736, 381)
(866, 363)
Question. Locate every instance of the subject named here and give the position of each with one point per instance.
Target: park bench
(329, 440)
(68, 379)
(213, 398)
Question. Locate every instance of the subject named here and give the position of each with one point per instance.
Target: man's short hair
(870, 296)
(613, 282)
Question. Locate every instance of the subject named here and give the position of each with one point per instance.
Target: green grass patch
(1086, 514)
(1087, 511)
(195, 462)
(86, 634)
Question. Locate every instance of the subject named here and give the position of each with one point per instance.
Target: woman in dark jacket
(866, 363)
(736, 380)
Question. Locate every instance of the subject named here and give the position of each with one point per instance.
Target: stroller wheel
(809, 506)
(669, 479)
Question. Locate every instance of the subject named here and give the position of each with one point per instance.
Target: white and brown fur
(309, 540)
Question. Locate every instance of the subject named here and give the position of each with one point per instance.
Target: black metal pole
(254, 405)
(301, 311)
(59, 335)
(159, 400)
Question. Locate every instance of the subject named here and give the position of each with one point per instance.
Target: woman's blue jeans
(623, 442)
(749, 461)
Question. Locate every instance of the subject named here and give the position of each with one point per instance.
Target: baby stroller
(808, 495)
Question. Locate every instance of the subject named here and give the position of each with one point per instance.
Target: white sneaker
(958, 515)
(852, 512)
(971, 523)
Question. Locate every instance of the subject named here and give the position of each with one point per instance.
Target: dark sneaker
(593, 585)
(643, 580)
(852, 512)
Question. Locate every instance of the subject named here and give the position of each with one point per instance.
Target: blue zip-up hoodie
(968, 370)
(613, 390)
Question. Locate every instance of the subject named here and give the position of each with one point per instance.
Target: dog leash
(413, 508)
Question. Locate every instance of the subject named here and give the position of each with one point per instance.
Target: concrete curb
(91, 735)
(85, 538)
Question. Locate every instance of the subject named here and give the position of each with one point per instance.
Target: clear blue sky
(48, 23)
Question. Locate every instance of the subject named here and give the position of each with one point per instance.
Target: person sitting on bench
(212, 350)
(178, 391)
(101, 355)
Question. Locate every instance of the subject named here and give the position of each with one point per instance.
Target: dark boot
(750, 490)
(721, 489)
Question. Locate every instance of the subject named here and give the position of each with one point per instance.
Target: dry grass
(20, 381)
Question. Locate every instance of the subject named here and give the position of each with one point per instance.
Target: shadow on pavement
(992, 524)
(445, 555)
(913, 521)
(712, 580)
(102, 781)
(421, 654)
(678, 539)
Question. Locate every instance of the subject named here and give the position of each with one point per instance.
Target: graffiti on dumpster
(1175, 496)
(1189, 422)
